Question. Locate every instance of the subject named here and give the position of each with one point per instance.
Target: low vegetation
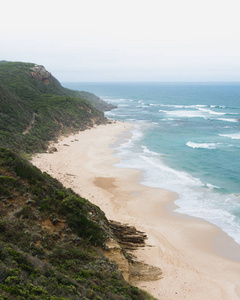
(35, 108)
(52, 240)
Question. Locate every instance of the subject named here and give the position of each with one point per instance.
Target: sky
(125, 40)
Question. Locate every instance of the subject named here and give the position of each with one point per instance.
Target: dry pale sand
(197, 259)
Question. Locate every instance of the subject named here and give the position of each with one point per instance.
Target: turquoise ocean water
(186, 139)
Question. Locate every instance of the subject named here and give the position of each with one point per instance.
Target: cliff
(35, 108)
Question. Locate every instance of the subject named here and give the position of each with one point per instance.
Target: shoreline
(189, 251)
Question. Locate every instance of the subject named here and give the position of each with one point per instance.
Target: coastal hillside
(35, 108)
(52, 240)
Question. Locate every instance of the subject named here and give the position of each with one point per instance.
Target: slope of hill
(35, 108)
(52, 240)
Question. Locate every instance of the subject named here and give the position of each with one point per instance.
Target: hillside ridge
(52, 241)
(28, 90)
(54, 244)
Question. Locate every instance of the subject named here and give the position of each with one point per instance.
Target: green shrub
(50, 109)
(26, 212)
(28, 171)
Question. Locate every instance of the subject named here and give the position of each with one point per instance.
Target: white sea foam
(211, 112)
(195, 198)
(203, 200)
(146, 150)
(217, 216)
(227, 120)
(218, 106)
(201, 145)
(123, 105)
(168, 175)
(209, 185)
(171, 105)
(233, 136)
(186, 113)
(198, 112)
(183, 106)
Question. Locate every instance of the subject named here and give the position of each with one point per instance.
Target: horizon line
(150, 82)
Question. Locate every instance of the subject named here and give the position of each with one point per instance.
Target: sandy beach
(197, 259)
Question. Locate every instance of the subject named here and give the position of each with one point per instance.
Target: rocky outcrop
(41, 74)
(143, 272)
(128, 239)
(128, 236)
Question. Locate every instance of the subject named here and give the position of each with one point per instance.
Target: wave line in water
(211, 112)
(227, 120)
(196, 198)
(233, 136)
(191, 146)
(201, 145)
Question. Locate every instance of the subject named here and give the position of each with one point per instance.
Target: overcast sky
(125, 40)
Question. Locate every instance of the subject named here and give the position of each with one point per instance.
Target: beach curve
(186, 249)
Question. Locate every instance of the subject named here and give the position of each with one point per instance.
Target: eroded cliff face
(121, 251)
(41, 74)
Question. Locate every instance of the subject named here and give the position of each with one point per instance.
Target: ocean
(186, 139)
